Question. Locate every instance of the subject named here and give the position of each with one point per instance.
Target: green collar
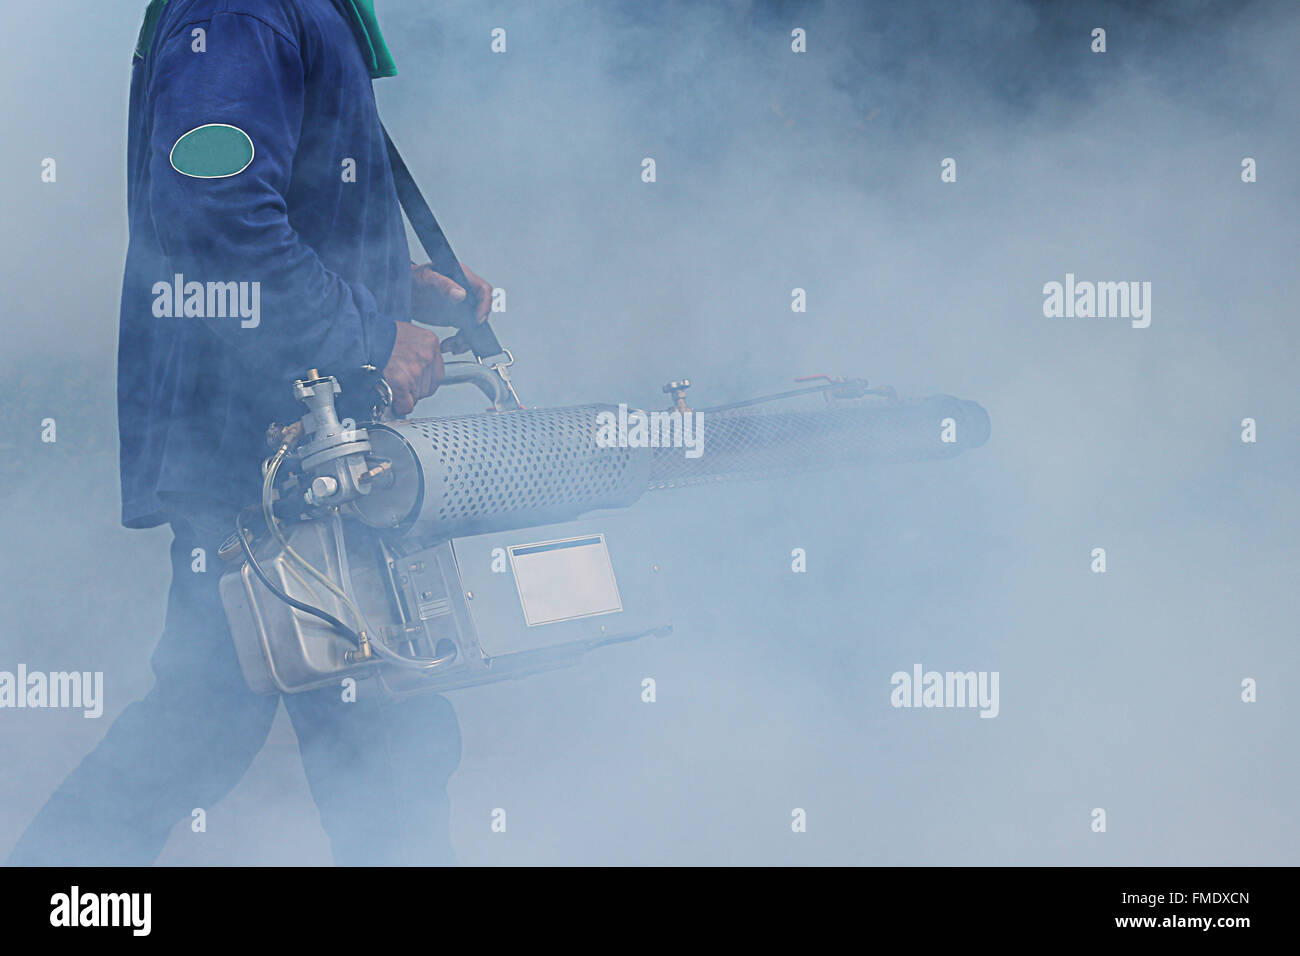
(145, 39)
(371, 39)
(373, 47)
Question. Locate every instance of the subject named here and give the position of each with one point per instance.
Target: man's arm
(236, 228)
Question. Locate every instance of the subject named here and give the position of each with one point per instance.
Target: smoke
(777, 171)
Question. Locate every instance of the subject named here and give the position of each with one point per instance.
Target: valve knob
(323, 486)
(678, 391)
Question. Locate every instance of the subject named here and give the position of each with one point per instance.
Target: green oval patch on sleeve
(214, 151)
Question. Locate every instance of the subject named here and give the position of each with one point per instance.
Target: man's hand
(433, 295)
(415, 367)
(414, 370)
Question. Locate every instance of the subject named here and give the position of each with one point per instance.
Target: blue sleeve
(236, 228)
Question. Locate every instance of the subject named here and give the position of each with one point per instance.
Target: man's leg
(185, 745)
(378, 770)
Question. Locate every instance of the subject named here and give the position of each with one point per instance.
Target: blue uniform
(288, 85)
(314, 220)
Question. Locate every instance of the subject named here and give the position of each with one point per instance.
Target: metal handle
(485, 379)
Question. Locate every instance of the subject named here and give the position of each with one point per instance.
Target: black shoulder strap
(474, 335)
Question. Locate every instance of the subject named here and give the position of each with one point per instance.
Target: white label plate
(564, 580)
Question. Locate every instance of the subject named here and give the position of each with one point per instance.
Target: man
(256, 168)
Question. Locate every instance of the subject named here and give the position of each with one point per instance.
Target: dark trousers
(378, 769)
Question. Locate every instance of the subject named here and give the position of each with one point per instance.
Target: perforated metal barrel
(475, 474)
(497, 471)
